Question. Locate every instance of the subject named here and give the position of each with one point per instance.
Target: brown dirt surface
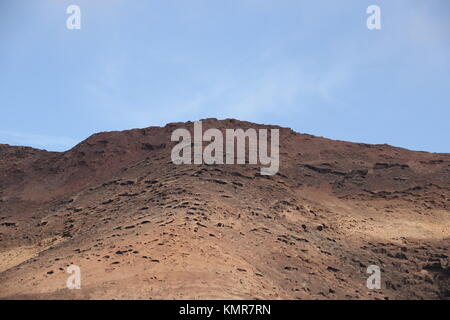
(141, 227)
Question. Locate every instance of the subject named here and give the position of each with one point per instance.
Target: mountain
(141, 227)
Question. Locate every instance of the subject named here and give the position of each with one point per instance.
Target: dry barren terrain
(141, 227)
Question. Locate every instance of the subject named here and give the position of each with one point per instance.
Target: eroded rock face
(141, 227)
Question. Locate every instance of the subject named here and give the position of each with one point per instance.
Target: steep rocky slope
(142, 227)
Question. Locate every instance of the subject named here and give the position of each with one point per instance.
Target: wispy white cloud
(51, 143)
(275, 88)
(332, 70)
(429, 34)
(283, 88)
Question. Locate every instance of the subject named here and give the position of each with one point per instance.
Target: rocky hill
(141, 227)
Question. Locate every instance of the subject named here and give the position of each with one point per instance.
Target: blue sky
(309, 65)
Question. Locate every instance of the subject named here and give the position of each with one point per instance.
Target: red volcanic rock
(139, 226)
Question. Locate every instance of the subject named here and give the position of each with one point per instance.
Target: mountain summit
(141, 227)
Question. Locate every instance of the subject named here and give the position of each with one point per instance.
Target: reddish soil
(141, 227)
